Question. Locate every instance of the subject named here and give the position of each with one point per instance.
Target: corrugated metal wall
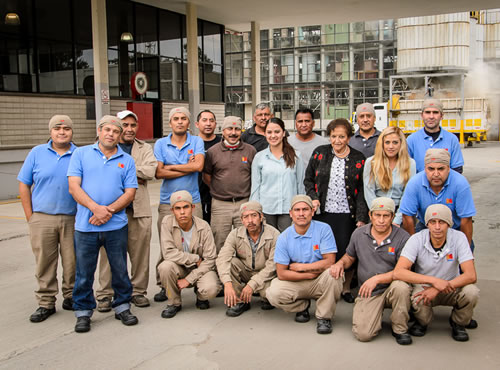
(433, 43)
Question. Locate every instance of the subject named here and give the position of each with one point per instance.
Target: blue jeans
(87, 245)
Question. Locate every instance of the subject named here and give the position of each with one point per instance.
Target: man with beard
(228, 168)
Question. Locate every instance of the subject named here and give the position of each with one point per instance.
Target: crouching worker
(303, 256)
(245, 262)
(444, 273)
(377, 247)
(188, 250)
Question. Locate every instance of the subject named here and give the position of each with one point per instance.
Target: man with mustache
(366, 136)
(245, 262)
(255, 134)
(433, 136)
(227, 171)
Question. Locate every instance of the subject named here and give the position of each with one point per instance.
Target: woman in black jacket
(334, 181)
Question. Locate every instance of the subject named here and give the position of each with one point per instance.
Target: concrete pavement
(257, 339)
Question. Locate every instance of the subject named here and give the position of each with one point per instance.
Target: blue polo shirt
(104, 180)
(455, 194)
(308, 248)
(419, 142)
(168, 153)
(46, 170)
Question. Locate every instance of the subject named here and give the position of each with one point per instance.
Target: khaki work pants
(463, 300)
(293, 296)
(367, 312)
(50, 236)
(240, 276)
(207, 286)
(225, 215)
(165, 210)
(139, 240)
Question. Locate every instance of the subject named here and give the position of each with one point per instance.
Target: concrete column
(255, 60)
(380, 61)
(100, 46)
(351, 78)
(192, 62)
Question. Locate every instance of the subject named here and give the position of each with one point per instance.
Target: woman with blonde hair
(388, 171)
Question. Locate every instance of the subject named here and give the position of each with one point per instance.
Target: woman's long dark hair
(288, 151)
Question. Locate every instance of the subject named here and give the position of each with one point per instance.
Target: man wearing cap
(228, 168)
(305, 140)
(246, 261)
(303, 256)
(365, 138)
(180, 157)
(206, 125)
(255, 135)
(443, 273)
(188, 251)
(103, 181)
(437, 184)
(138, 216)
(433, 136)
(50, 212)
(377, 247)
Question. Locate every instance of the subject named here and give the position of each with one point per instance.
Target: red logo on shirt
(391, 250)
(316, 247)
(190, 151)
(449, 257)
(244, 159)
(449, 201)
(121, 165)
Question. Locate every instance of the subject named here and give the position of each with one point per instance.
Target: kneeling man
(303, 256)
(247, 257)
(444, 273)
(188, 251)
(377, 247)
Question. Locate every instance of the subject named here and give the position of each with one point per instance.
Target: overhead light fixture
(126, 37)
(12, 19)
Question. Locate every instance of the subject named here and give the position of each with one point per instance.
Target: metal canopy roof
(237, 14)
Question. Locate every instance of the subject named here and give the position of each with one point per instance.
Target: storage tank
(433, 43)
(492, 41)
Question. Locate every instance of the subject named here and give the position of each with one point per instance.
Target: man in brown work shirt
(227, 171)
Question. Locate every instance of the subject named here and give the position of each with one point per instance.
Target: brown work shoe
(140, 301)
(104, 305)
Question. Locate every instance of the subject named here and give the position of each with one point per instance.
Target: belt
(234, 200)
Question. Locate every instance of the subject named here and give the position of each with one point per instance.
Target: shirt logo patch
(449, 201)
(449, 257)
(244, 159)
(190, 151)
(391, 251)
(121, 165)
(316, 247)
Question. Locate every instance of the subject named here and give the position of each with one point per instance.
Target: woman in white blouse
(388, 171)
(277, 176)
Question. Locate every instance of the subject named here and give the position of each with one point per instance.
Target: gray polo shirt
(375, 259)
(307, 147)
(443, 265)
(365, 146)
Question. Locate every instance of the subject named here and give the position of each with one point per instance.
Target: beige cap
(111, 120)
(383, 204)
(179, 110)
(252, 205)
(232, 121)
(439, 211)
(60, 119)
(432, 103)
(125, 113)
(180, 196)
(437, 156)
(365, 108)
(301, 198)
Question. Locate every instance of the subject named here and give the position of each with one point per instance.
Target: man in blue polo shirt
(102, 179)
(303, 256)
(433, 136)
(180, 157)
(50, 212)
(437, 184)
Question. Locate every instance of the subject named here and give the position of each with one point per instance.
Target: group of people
(291, 218)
